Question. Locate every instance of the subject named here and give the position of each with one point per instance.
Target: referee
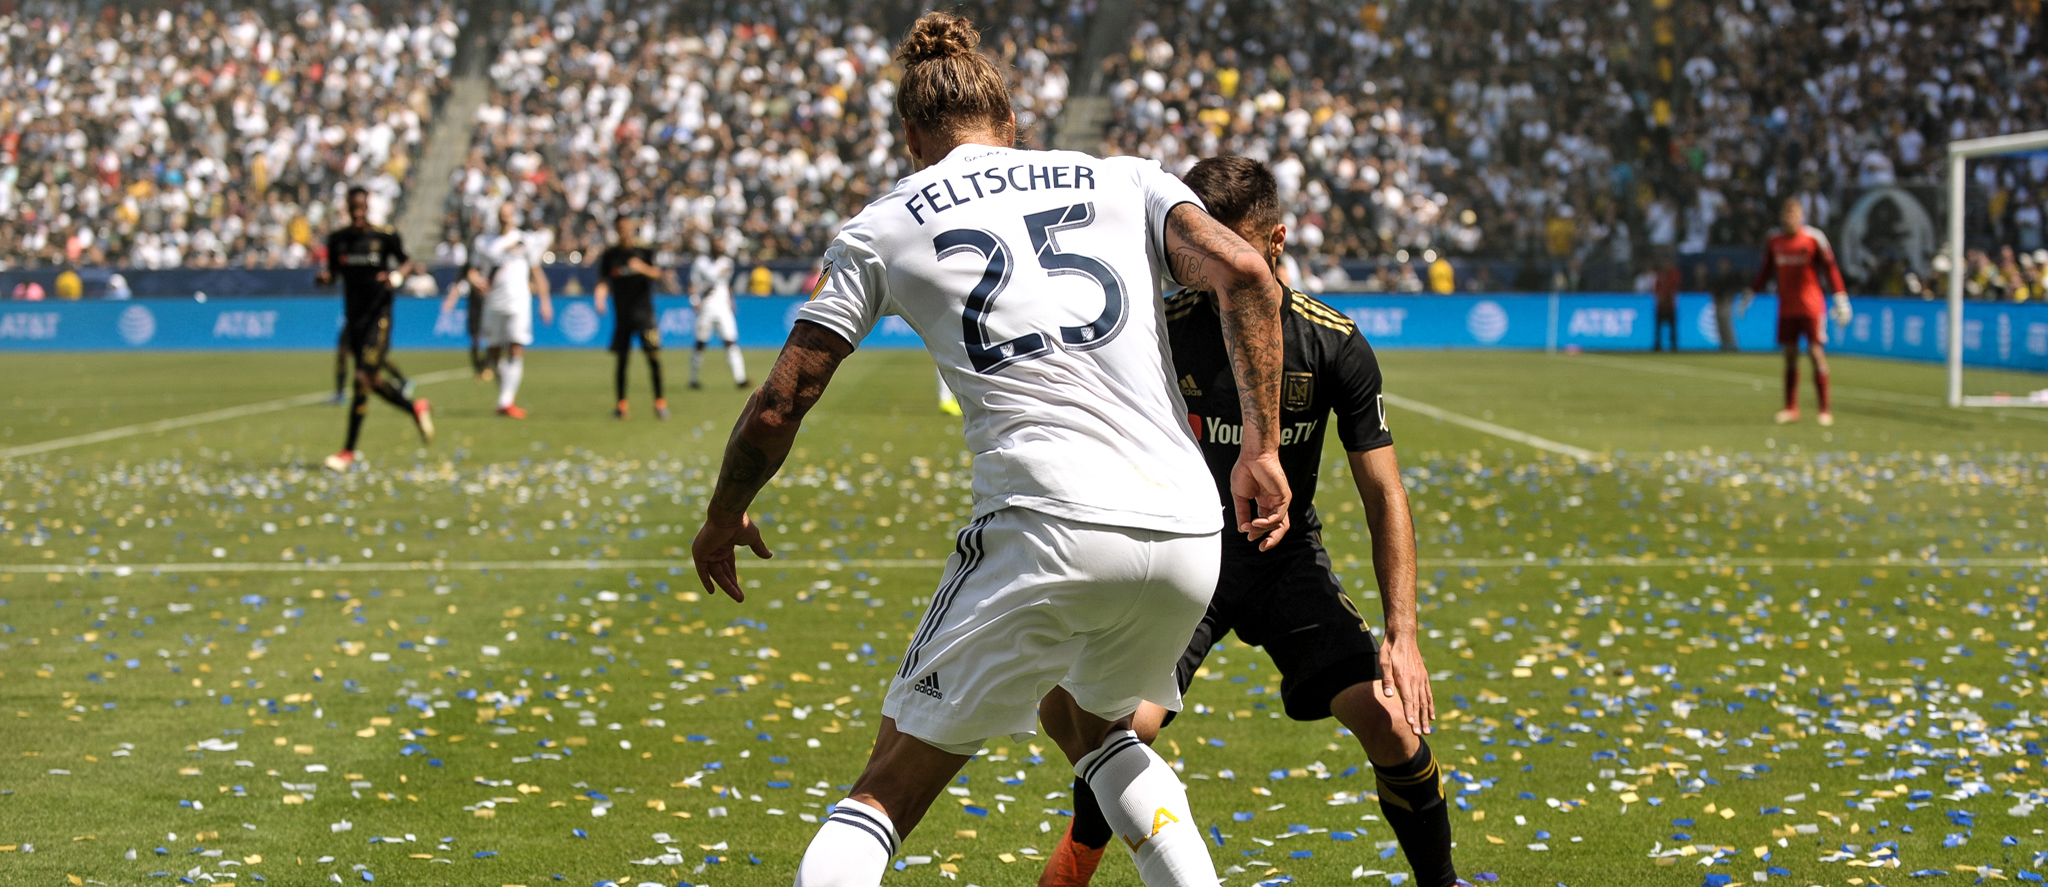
(1288, 600)
(368, 260)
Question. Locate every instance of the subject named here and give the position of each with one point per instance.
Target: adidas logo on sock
(929, 686)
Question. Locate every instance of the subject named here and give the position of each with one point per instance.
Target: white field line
(1851, 392)
(251, 409)
(585, 565)
(1485, 427)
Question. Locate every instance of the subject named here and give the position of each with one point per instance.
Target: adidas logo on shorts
(929, 686)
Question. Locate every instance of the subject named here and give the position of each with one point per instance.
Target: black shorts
(368, 342)
(1289, 602)
(630, 330)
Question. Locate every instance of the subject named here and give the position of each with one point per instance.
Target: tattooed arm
(759, 443)
(1205, 255)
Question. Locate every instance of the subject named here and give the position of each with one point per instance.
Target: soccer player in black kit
(368, 260)
(1288, 600)
(626, 272)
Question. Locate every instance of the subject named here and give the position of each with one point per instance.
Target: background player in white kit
(711, 296)
(1034, 279)
(506, 266)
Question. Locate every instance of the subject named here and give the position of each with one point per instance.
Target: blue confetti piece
(1241, 817)
(1778, 872)
(1216, 834)
(485, 854)
(1389, 852)
(1927, 873)
(1343, 836)
(579, 833)
(976, 811)
(900, 865)
(1302, 854)
(1716, 880)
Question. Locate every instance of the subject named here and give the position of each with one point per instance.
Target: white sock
(738, 364)
(509, 371)
(1148, 809)
(851, 849)
(696, 363)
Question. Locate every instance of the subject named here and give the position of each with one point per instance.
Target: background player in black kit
(626, 272)
(1288, 600)
(368, 260)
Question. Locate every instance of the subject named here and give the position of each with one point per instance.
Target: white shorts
(1030, 601)
(716, 317)
(502, 328)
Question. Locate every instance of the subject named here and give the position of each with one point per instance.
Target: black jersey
(358, 256)
(633, 291)
(1328, 368)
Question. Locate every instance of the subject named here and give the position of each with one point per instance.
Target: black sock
(392, 371)
(1412, 799)
(653, 371)
(355, 417)
(1091, 828)
(388, 390)
(619, 373)
(340, 372)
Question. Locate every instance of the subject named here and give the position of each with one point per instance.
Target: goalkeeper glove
(1842, 312)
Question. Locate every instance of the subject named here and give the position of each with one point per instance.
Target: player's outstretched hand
(1258, 487)
(715, 551)
(1403, 675)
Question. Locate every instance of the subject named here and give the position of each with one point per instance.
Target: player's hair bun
(938, 35)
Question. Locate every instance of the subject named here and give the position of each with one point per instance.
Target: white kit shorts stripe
(715, 318)
(502, 328)
(1030, 601)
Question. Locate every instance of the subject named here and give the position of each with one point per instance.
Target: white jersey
(506, 260)
(711, 282)
(1034, 278)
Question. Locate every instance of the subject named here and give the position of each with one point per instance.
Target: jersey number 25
(992, 357)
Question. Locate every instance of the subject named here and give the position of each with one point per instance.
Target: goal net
(1995, 331)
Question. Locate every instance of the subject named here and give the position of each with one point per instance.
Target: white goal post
(1959, 155)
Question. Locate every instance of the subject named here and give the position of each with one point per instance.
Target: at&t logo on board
(579, 322)
(136, 325)
(1487, 322)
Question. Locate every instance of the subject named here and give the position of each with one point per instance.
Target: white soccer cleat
(1825, 419)
(341, 461)
(1786, 417)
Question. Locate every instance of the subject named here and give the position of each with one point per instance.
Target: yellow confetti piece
(1493, 840)
(1006, 858)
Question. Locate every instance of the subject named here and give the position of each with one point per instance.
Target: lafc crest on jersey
(1297, 391)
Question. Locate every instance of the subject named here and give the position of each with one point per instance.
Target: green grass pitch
(1717, 649)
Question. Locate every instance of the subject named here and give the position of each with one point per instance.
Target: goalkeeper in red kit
(1798, 256)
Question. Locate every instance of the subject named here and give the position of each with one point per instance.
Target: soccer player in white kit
(506, 267)
(1034, 279)
(711, 296)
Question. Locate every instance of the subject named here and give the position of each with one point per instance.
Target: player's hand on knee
(715, 553)
(1403, 675)
(1258, 487)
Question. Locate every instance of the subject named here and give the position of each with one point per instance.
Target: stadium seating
(151, 137)
(775, 129)
(1584, 132)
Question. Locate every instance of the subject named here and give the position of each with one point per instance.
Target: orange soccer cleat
(621, 411)
(661, 408)
(1072, 863)
(512, 412)
(423, 416)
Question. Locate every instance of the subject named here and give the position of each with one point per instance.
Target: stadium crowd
(1583, 132)
(160, 136)
(1574, 142)
(767, 130)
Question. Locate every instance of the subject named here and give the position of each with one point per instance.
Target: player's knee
(1375, 719)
